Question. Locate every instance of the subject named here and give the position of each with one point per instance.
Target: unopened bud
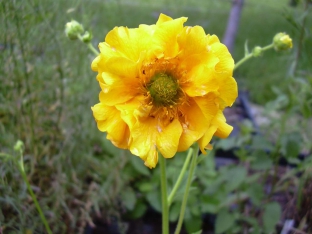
(257, 51)
(19, 146)
(282, 41)
(73, 29)
(86, 37)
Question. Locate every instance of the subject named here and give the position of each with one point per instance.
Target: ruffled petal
(208, 105)
(166, 33)
(192, 40)
(118, 93)
(129, 42)
(108, 120)
(223, 129)
(204, 141)
(228, 90)
(194, 125)
(168, 137)
(226, 63)
(201, 80)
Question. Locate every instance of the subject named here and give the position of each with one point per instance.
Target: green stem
(268, 47)
(240, 62)
(250, 55)
(187, 189)
(179, 180)
(91, 47)
(164, 194)
(33, 196)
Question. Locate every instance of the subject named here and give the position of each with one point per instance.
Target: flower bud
(87, 37)
(257, 51)
(19, 146)
(73, 29)
(282, 41)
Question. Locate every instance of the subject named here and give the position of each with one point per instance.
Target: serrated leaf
(225, 220)
(271, 216)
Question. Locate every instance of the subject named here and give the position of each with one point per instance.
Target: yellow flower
(163, 87)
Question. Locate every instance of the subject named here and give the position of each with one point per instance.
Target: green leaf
(138, 211)
(145, 187)
(154, 199)
(271, 216)
(128, 198)
(210, 204)
(307, 109)
(193, 224)
(139, 166)
(261, 161)
(292, 149)
(234, 177)
(225, 220)
(226, 144)
(255, 192)
(174, 211)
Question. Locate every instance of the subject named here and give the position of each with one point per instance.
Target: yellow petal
(151, 158)
(204, 141)
(163, 18)
(94, 64)
(192, 40)
(168, 137)
(226, 62)
(194, 125)
(129, 42)
(166, 34)
(144, 137)
(201, 80)
(228, 90)
(100, 111)
(116, 90)
(128, 108)
(122, 67)
(223, 129)
(208, 105)
(108, 120)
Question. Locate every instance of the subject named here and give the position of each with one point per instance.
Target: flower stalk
(281, 42)
(164, 194)
(179, 180)
(89, 45)
(19, 161)
(187, 189)
(255, 53)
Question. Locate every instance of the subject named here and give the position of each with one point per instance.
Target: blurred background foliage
(47, 89)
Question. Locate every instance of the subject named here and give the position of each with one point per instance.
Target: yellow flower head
(163, 87)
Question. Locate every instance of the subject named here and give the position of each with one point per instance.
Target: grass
(47, 88)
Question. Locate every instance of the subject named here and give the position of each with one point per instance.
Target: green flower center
(164, 90)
